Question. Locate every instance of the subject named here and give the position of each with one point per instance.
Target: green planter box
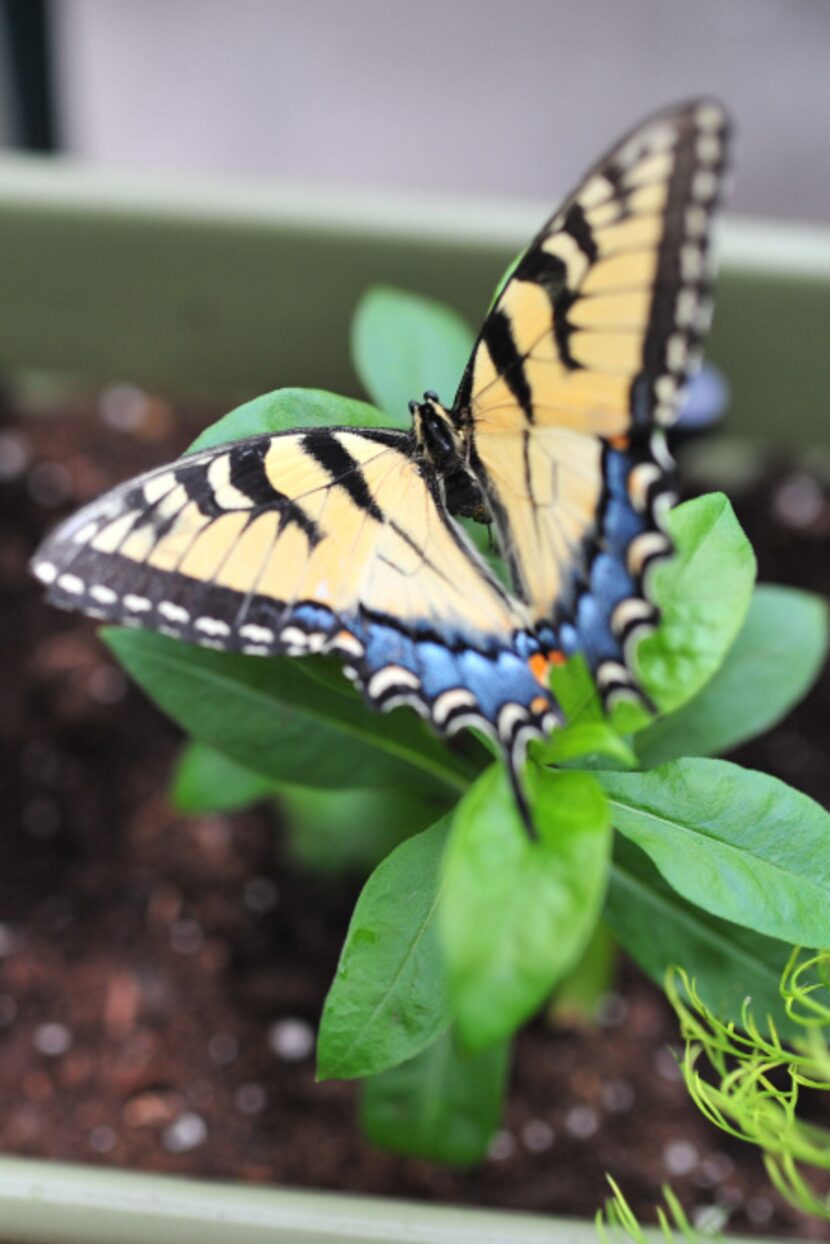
(225, 292)
(50, 1203)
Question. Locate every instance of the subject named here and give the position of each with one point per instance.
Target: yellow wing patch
(338, 518)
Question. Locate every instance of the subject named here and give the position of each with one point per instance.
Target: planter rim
(56, 1203)
(61, 184)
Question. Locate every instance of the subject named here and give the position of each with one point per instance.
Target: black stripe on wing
(497, 335)
(680, 307)
(344, 471)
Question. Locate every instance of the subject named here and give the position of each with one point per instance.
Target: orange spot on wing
(540, 704)
(540, 667)
(619, 442)
(540, 664)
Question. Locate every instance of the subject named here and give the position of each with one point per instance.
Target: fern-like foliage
(616, 1221)
(748, 1082)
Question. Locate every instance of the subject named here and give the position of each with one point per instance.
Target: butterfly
(345, 540)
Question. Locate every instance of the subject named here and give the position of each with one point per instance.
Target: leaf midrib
(256, 695)
(700, 832)
(384, 1001)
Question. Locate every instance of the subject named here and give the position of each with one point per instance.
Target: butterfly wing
(581, 361)
(327, 540)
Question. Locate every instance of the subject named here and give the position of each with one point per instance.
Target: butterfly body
(344, 540)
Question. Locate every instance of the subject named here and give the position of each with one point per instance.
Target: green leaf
(284, 409)
(206, 781)
(585, 740)
(333, 833)
(661, 930)
(328, 672)
(576, 692)
(272, 718)
(773, 662)
(388, 999)
(515, 914)
(403, 344)
(704, 592)
(739, 844)
(444, 1105)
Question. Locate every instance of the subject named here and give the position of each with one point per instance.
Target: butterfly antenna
(513, 765)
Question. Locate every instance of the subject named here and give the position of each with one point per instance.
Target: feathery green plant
(617, 1218)
(748, 1082)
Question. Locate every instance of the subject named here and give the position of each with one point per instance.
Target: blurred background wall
(479, 96)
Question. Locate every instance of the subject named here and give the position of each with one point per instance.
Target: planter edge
(56, 1203)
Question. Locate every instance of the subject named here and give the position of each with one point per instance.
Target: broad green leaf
(443, 1105)
(272, 718)
(284, 409)
(770, 666)
(661, 930)
(388, 1000)
(207, 781)
(515, 914)
(332, 833)
(328, 672)
(739, 844)
(586, 740)
(403, 344)
(704, 592)
(576, 692)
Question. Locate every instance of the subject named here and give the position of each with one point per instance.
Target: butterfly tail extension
(515, 771)
(455, 691)
(517, 730)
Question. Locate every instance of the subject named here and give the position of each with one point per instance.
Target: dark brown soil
(148, 963)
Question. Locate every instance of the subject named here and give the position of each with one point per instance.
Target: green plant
(466, 927)
(617, 1221)
(748, 1082)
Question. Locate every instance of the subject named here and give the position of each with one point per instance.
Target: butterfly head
(437, 437)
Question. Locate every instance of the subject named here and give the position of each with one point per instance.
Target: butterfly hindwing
(580, 364)
(328, 540)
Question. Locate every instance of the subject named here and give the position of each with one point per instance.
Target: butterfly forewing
(581, 361)
(328, 540)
